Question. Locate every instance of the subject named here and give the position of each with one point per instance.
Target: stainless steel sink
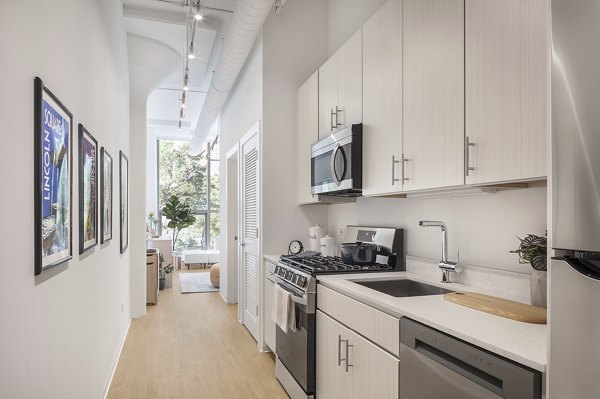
(402, 287)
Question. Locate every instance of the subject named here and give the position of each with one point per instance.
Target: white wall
(483, 227)
(150, 62)
(241, 111)
(346, 17)
(61, 331)
(289, 58)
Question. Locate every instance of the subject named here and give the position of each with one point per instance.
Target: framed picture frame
(88, 190)
(106, 196)
(124, 200)
(53, 179)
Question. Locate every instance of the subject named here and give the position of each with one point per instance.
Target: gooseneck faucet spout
(446, 266)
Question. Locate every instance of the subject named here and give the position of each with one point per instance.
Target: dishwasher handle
(502, 376)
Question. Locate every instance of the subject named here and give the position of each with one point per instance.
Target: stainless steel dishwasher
(435, 365)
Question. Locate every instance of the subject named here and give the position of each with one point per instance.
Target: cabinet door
(332, 379)
(306, 135)
(268, 323)
(350, 74)
(328, 95)
(507, 68)
(376, 373)
(382, 100)
(433, 96)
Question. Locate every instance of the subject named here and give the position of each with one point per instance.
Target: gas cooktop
(317, 264)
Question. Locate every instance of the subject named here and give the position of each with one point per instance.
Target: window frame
(206, 212)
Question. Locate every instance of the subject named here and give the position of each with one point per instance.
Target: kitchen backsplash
(483, 227)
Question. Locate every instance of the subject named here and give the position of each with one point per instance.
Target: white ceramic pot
(169, 280)
(315, 234)
(538, 281)
(328, 246)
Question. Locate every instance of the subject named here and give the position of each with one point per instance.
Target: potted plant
(533, 250)
(163, 271)
(179, 216)
(151, 223)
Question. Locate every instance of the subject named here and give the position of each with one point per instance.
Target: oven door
(296, 349)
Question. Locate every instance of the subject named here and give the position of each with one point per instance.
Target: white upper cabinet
(307, 134)
(507, 69)
(328, 96)
(382, 101)
(433, 98)
(340, 87)
(350, 86)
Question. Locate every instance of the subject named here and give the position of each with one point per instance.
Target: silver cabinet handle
(347, 363)
(468, 144)
(331, 126)
(337, 111)
(340, 340)
(404, 160)
(394, 162)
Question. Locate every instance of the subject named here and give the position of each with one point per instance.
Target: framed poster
(53, 179)
(106, 195)
(88, 190)
(124, 200)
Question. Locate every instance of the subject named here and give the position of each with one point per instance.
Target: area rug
(195, 282)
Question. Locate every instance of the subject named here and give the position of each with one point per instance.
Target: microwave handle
(333, 171)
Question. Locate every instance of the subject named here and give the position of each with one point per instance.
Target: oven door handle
(295, 298)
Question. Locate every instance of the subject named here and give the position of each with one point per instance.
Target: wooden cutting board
(499, 307)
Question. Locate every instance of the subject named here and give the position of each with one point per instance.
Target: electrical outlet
(341, 233)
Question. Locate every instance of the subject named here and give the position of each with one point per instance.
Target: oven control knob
(294, 278)
(302, 281)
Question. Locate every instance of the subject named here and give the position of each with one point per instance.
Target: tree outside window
(195, 179)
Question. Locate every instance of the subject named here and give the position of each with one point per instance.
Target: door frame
(253, 131)
(232, 232)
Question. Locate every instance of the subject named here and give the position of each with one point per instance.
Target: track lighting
(191, 56)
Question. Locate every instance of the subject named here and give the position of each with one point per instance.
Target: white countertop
(522, 342)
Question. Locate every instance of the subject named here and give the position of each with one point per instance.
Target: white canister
(315, 234)
(328, 246)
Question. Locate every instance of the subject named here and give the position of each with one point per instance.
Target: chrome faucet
(446, 266)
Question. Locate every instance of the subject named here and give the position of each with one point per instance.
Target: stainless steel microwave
(336, 163)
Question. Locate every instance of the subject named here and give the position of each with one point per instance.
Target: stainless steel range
(296, 357)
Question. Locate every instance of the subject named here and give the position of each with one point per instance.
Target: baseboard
(116, 362)
(222, 297)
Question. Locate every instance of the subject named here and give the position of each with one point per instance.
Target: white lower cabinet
(350, 366)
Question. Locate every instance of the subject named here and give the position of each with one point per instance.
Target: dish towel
(283, 309)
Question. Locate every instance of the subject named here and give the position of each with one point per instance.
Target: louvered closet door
(249, 242)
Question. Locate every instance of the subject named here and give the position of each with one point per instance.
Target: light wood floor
(192, 346)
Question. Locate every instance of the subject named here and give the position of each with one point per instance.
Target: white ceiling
(167, 23)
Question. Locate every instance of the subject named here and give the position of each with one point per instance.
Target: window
(194, 179)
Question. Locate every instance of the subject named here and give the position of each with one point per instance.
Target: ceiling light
(191, 56)
(185, 88)
(182, 105)
(198, 15)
